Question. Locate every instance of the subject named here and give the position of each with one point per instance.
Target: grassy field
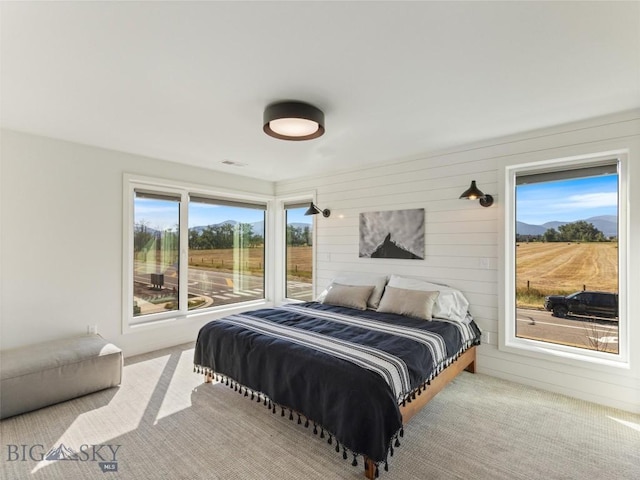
(299, 263)
(251, 259)
(563, 268)
(542, 268)
(299, 260)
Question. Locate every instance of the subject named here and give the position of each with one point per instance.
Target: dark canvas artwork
(392, 234)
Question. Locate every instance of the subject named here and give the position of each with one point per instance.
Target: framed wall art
(392, 234)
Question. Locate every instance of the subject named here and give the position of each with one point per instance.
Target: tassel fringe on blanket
(260, 397)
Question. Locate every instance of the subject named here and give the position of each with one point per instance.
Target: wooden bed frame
(466, 361)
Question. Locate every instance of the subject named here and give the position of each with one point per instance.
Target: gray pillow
(352, 296)
(376, 281)
(450, 304)
(412, 303)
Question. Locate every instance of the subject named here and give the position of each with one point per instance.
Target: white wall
(61, 238)
(461, 236)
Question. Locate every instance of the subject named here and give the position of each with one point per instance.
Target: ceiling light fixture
(474, 193)
(293, 121)
(314, 210)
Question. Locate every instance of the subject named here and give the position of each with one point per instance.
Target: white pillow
(412, 303)
(377, 281)
(450, 304)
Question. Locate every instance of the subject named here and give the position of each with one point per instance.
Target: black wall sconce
(314, 210)
(474, 193)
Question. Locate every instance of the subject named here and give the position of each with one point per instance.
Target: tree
(142, 237)
(195, 242)
(207, 238)
(298, 236)
(551, 235)
(224, 236)
(307, 236)
(245, 232)
(580, 231)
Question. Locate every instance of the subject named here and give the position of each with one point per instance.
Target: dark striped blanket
(346, 370)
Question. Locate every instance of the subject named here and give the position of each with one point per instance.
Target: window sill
(590, 359)
(199, 316)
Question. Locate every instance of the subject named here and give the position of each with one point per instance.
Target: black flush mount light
(314, 210)
(474, 193)
(293, 121)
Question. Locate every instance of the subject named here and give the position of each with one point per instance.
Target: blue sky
(163, 214)
(537, 203)
(296, 215)
(567, 200)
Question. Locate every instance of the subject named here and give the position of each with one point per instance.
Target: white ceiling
(188, 81)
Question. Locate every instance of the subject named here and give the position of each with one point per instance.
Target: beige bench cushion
(35, 376)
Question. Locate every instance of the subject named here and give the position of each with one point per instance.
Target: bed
(355, 375)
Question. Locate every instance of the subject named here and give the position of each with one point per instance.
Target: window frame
(286, 205)
(508, 341)
(281, 242)
(131, 182)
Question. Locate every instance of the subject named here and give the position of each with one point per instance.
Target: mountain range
(607, 224)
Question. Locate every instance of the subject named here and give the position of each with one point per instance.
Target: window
(156, 249)
(565, 258)
(191, 250)
(226, 251)
(299, 252)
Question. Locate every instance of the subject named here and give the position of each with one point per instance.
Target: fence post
(527, 285)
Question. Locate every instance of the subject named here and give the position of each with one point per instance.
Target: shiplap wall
(464, 242)
(458, 234)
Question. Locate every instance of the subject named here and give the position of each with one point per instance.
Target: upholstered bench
(36, 376)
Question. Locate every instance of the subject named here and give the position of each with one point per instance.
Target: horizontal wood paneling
(616, 391)
(459, 234)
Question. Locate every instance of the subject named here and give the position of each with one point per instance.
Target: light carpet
(169, 424)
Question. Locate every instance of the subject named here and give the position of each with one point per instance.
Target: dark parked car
(593, 304)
